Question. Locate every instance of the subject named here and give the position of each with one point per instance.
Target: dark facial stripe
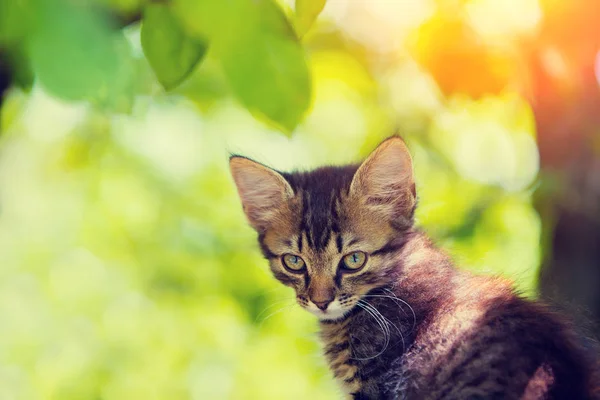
(308, 237)
(300, 243)
(367, 278)
(325, 237)
(390, 247)
(284, 278)
(267, 253)
(319, 214)
(306, 279)
(353, 241)
(321, 191)
(335, 227)
(304, 221)
(339, 242)
(338, 278)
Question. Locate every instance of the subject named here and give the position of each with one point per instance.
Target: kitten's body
(402, 322)
(464, 337)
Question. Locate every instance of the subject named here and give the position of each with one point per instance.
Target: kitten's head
(331, 233)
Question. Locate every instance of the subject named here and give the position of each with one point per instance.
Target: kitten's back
(482, 340)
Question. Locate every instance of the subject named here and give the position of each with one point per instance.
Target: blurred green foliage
(78, 51)
(169, 50)
(307, 12)
(127, 268)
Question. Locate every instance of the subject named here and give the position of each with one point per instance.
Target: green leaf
(207, 18)
(259, 53)
(78, 55)
(171, 52)
(307, 12)
(206, 85)
(14, 20)
(265, 65)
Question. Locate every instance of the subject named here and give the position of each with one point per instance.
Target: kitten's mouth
(337, 309)
(334, 312)
(330, 315)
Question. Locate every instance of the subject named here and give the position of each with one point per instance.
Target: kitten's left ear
(263, 191)
(385, 182)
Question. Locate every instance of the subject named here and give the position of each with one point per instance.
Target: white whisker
(393, 295)
(382, 324)
(387, 321)
(396, 299)
(274, 313)
(274, 304)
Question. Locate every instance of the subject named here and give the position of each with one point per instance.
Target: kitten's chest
(337, 347)
(361, 357)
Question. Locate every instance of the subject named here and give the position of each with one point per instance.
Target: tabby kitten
(398, 321)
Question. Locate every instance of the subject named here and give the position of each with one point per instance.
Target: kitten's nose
(322, 304)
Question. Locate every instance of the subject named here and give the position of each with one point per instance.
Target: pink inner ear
(387, 172)
(384, 182)
(262, 190)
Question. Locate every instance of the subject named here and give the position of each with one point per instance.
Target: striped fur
(407, 324)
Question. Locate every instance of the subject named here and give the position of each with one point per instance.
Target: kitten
(398, 321)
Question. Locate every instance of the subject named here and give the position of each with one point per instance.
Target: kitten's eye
(293, 263)
(354, 261)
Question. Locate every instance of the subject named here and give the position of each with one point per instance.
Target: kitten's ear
(262, 190)
(385, 181)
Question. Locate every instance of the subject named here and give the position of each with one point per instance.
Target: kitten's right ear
(263, 191)
(385, 182)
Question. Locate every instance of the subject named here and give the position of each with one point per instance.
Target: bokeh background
(127, 269)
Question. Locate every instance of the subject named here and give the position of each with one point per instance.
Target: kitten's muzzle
(322, 305)
(321, 294)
